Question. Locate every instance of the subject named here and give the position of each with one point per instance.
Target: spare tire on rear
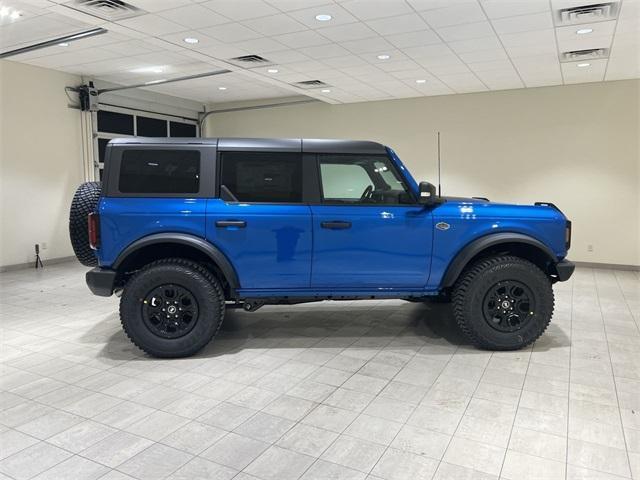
(85, 201)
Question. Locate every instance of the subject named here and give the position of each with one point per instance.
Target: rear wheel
(172, 308)
(503, 303)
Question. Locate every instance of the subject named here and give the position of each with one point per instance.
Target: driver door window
(361, 179)
(342, 182)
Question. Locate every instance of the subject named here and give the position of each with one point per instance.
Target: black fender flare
(211, 251)
(464, 256)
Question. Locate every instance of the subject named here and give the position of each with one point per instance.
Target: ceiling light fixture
(222, 88)
(191, 40)
(63, 44)
(4, 11)
(323, 17)
(582, 31)
(157, 69)
(582, 65)
(325, 90)
(15, 15)
(54, 41)
(383, 57)
(272, 70)
(421, 81)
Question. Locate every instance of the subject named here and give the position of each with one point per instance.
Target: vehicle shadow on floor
(400, 326)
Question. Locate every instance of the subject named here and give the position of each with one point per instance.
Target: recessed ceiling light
(325, 90)
(383, 57)
(272, 70)
(323, 17)
(582, 31)
(15, 15)
(155, 69)
(421, 81)
(582, 65)
(191, 40)
(222, 88)
(4, 11)
(63, 44)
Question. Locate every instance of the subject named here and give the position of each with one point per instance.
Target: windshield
(411, 182)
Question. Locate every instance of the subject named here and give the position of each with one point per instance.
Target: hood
(482, 207)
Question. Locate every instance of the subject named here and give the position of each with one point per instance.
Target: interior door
(260, 222)
(368, 230)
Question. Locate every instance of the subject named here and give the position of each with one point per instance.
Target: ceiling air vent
(250, 61)
(590, 54)
(596, 12)
(309, 84)
(111, 10)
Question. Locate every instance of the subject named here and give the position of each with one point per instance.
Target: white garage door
(117, 122)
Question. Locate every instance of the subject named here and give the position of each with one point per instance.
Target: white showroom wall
(40, 161)
(41, 157)
(577, 146)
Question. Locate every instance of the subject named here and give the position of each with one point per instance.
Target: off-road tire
(474, 284)
(200, 282)
(84, 202)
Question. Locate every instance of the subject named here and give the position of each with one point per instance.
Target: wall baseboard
(23, 266)
(612, 266)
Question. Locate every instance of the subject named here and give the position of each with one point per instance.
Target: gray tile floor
(376, 390)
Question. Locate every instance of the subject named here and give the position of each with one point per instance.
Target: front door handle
(231, 223)
(336, 225)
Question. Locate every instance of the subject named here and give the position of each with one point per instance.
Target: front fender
(464, 256)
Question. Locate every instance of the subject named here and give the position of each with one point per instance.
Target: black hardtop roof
(306, 145)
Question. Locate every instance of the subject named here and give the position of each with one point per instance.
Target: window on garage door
(117, 122)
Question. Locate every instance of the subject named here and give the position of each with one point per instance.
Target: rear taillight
(567, 235)
(93, 224)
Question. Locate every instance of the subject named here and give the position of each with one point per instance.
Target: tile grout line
(318, 405)
(615, 386)
(506, 450)
(465, 408)
(415, 408)
(360, 413)
(566, 453)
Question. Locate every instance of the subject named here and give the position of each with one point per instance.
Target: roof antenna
(439, 186)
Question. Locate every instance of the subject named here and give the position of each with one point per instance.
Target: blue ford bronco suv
(184, 228)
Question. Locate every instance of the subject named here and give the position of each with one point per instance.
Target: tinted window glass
(160, 171)
(367, 179)
(178, 129)
(263, 176)
(344, 181)
(151, 127)
(112, 122)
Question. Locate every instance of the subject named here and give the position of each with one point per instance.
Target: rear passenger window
(160, 171)
(268, 177)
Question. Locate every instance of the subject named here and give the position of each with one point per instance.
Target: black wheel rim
(508, 306)
(170, 311)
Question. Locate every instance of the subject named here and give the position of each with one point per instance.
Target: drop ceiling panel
(600, 37)
(456, 46)
(573, 73)
(398, 25)
(240, 10)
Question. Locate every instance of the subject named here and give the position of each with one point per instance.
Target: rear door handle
(336, 225)
(231, 223)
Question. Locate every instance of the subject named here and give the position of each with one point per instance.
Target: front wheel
(503, 303)
(172, 308)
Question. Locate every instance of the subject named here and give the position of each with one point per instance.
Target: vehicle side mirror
(427, 193)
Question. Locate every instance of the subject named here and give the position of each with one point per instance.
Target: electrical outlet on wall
(589, 248)
(43, 245)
